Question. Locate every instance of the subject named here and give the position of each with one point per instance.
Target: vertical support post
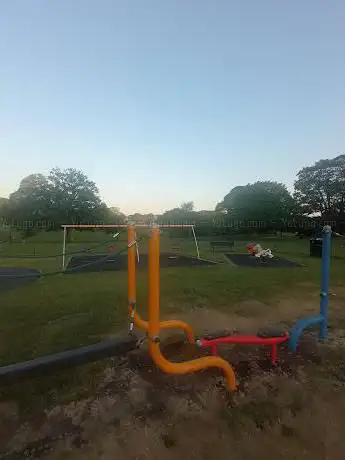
(153, 275)
(137, 249)
(325, 270)
(131, 262)
(64, 247)
(196, 242)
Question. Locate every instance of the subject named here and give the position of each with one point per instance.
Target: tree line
(63, 196)
(69, 196)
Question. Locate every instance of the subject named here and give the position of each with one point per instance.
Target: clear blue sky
(164, 101)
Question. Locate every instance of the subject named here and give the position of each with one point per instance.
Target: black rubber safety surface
(15, 277)
(120, 263)
(244, 260)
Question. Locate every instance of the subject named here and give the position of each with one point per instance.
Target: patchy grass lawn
(106, 411)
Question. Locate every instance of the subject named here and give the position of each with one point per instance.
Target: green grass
(58, 313)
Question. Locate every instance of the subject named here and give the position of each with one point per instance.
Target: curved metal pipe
(167, 324)
(154, 326)
(135, 317)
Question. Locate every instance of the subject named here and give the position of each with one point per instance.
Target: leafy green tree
(320, 188)
(185, 212)
(4, 207)
(73, 197)
(266, 201)
(187, 207)
(65, 196)
(139, 218)
(113, 215)
(30, 202)
(4, 215)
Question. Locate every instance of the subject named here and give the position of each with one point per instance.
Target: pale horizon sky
(161, 102)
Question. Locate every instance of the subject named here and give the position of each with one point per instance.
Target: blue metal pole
(325, 270)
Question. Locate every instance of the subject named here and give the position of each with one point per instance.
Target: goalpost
(70, 226)
(185, 226)
(100, 226)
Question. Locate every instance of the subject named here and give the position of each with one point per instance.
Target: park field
(117, 409)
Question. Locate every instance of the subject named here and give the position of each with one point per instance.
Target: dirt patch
(294, 409)
(206, 321)
(186, 417)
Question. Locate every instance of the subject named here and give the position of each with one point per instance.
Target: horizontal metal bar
(116, 346)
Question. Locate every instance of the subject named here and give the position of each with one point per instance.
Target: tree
(4, 214)
(114, 215)
(184, 213)
(260, 203)
(321, 188)
(229, 204)
(65, 196)
(187, 207)
(4, 207)
(73, 197)
(31, 201)
(138, 218)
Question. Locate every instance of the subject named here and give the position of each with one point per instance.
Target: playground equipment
(121, 345)
(266, 337)
(134, 315)
(154, 325)
(118, 345)
(273, 338)
(322, 318)
(255, 249)
(72, 226)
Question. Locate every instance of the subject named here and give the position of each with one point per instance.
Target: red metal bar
(245, 340)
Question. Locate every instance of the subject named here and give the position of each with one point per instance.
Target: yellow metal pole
(154, 326)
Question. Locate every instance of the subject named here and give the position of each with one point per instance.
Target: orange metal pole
(154, 327)
(135, 317)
